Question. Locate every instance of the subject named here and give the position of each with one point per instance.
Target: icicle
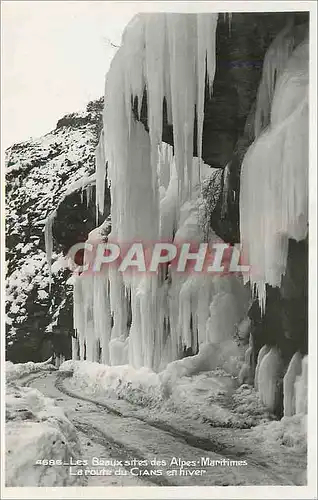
(48, 238)
(206, 32)
(182, 35)
(75, 349)
(227, 17)
(165, 165)
(78, 314)
(89, 193)
(274, 64)
(154, 69)
(186, 310)
(102, 314)
(169, 54)
(225, 191)
(100, 162)
(169, 208)
(230, 22)
(278, 162)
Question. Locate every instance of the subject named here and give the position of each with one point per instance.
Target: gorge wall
(231, 122)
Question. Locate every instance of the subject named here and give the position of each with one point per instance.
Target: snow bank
(37, 431)
(213, 397)
(17, 370)
(249, 406)
(125, 381)
(141, 386)
(223, 355)
(290, 432)
(194, 386)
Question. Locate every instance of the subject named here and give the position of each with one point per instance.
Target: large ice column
(135, 218)
(182, 45)
(166, 165)
(293, 371)
(78, 314)
(168, 312)
(118, 303)
(224, 316)
(227, 309)
(246, 374)
(75, 349)
(278, 162)
(274, 64)
(188, 306)
(169, 56)
(102, 315)
(206, 47)
(301, 388)
(169, 208)
(155, 62)
(263, 351)
(118, 351)
(91, 305)
(269, 378)
(88, 305)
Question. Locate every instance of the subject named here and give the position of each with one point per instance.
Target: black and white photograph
(158, 236)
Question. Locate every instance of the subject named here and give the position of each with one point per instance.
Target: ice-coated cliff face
(39, 173)
(163, 77)
(157, 193)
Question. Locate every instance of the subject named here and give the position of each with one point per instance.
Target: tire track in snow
(26, 380)
(114, 448)
(184, 437)
(60, 386)
(118, 450)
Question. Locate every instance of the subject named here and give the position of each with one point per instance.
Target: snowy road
(115, 430)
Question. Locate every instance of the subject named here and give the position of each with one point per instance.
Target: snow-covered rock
(39, 173)
(39, 440)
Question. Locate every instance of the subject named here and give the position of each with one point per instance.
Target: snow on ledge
(142, 386)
